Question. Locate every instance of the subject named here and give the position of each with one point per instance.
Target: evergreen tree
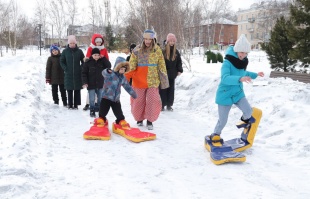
(300, 34)
(120, 43)
(131, 36)
(279, 46)
(110, 38)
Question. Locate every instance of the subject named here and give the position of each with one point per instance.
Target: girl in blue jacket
(230, 90)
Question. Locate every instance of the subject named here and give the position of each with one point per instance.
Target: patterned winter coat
(230, 89)
(103, 50)
(112, 86)
(92, 72)
(54, 72)
(71, 61)
(147, 69)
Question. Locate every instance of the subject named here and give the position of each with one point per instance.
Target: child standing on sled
(230, 90)
(113, 80)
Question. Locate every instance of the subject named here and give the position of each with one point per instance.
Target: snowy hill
(43, 153)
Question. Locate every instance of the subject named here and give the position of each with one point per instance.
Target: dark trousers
(74, 99)
(105, 105)
(167, 95)
(62, 93)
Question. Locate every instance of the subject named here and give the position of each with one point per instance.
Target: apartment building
(257, 21)
(221, 32)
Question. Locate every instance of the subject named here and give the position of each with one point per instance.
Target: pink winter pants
(147, 105)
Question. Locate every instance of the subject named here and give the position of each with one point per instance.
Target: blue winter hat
(53, 47)
(119, 60)
(149, 34)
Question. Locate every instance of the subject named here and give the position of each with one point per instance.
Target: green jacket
(71, 61)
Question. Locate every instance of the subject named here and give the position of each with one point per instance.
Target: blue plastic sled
(229, 151)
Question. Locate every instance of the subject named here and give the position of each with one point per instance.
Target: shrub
(219, 57)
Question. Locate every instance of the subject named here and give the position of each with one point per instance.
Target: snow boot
(169, 108)
(245, 123)
(149, 125)
(140, 123)
(92, 113)
(86, 107)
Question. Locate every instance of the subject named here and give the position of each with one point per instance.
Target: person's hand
(261, 74)
(245, 79)
(179, 73)
(48, 81)
(109, 71)
(85, 86)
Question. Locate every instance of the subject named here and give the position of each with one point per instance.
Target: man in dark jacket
(71, 61)
(92, 78)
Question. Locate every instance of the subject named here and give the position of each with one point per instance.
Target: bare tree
(72, 10)
(4, 25)
(58, 17)
(41, 18)
(13, 24)
(94, 17)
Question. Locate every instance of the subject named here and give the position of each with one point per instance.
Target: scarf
(237, 63)
(99, 47)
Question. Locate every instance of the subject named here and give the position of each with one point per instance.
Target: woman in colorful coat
(148, 72)
(71, 61)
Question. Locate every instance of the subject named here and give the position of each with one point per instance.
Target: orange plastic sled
(132, 134)
(99, 131)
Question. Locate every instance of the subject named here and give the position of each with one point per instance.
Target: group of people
(148, 75)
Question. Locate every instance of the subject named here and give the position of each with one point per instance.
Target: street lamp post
(40, 25)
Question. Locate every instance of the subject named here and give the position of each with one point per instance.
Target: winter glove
(48, 81)
(134, 95)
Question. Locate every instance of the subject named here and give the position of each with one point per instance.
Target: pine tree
(279, 46)
(110, 37)
(300, 34)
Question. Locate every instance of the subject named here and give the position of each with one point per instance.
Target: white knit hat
(242, 44)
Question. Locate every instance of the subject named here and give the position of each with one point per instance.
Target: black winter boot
(92, 113)
(86, 107)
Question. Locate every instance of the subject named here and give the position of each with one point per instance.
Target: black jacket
(173, 67)
(54, 71)
(92, 72)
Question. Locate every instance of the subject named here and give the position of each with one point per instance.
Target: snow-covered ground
(43, 153)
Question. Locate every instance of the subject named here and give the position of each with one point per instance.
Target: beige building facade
(250, 22)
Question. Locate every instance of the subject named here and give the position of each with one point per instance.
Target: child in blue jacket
(113, 80)
(230, 90)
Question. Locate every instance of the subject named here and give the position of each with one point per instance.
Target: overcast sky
(28, 6)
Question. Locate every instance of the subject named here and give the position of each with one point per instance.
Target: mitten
(48, 81)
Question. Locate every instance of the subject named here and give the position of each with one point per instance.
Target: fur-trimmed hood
(120, 65)
(96, 35)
